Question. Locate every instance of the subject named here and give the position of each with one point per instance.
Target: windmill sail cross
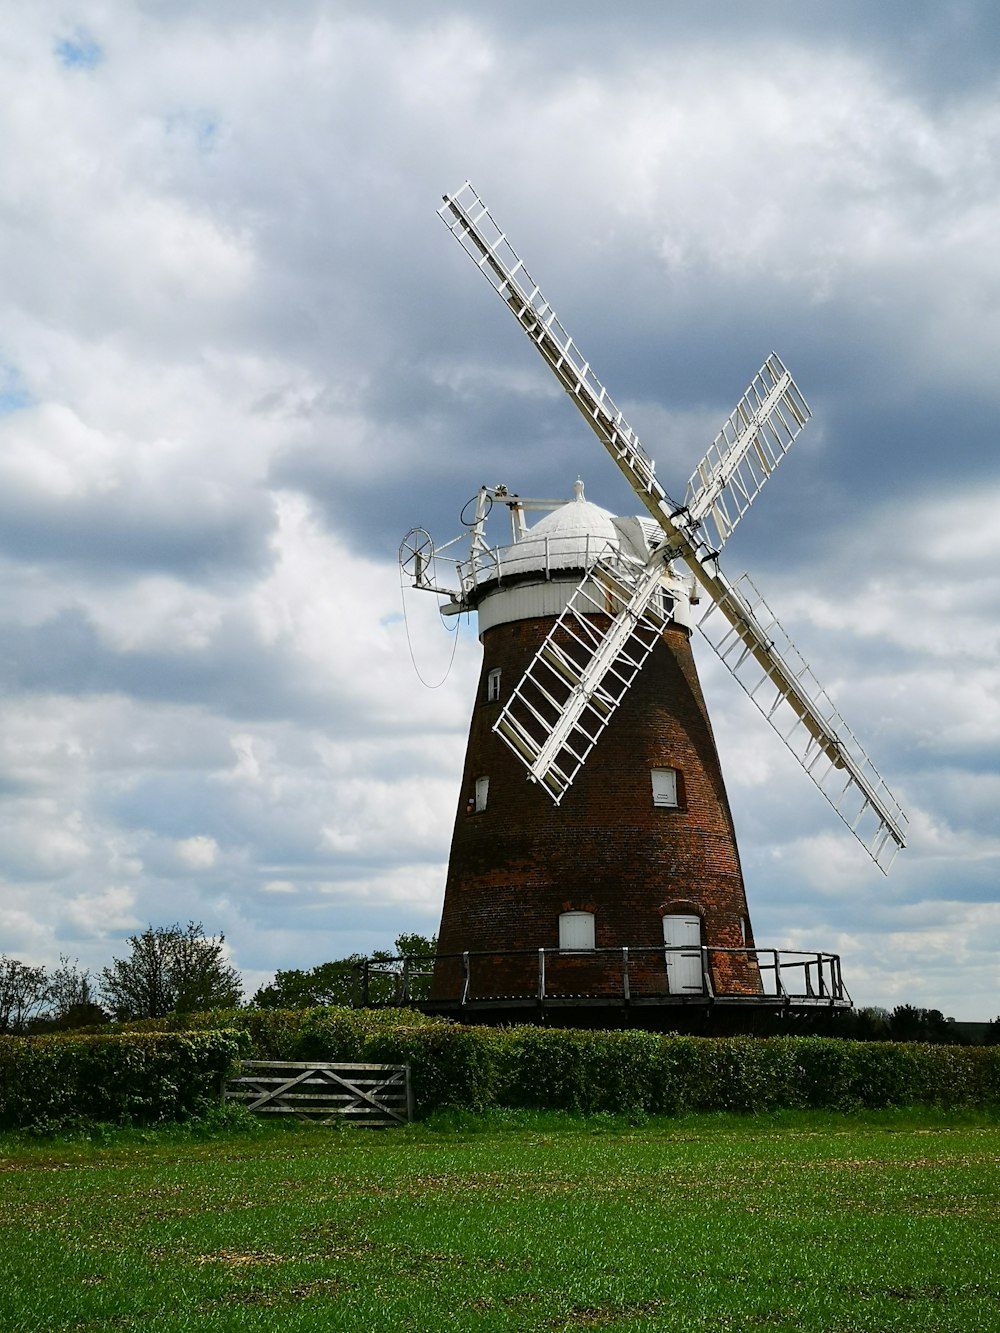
(562, 703)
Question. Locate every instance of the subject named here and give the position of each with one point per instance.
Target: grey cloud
(133, 535)
(229, 245)
(235, 675)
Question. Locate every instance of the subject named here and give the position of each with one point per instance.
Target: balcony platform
(665, 989)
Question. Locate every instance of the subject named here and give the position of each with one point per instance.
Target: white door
(684, 974)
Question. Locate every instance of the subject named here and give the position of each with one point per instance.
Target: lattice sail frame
(754, 440)
(842, 771)
(737, 465)
(579, 676)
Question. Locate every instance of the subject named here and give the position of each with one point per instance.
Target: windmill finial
(578, 489)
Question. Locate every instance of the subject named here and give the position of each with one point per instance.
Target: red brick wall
(606, 848)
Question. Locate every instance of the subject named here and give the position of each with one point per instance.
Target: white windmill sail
(558, 738)
(579, 676)
(469, 221)
(749, 639)
(754, 440)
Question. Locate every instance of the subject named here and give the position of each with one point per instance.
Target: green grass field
(884, 1221)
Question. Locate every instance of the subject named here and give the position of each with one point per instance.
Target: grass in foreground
(805, 1222)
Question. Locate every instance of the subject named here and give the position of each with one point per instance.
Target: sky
(240, 357)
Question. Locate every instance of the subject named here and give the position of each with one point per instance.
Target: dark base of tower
(689, 1014)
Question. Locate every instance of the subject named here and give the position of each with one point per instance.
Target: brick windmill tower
(594, 860)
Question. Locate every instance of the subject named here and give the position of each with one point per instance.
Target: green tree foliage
(325, 984)
(334, 983)
(905, 1023)
(171, 969)
(70, 1000)
(23, 993)
(908, 1023)
(410, 945)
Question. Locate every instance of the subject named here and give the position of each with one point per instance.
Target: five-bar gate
(363, 1094)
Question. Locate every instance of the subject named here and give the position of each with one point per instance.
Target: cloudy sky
(240, 356)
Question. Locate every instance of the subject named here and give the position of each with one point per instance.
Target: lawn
(797, 1221)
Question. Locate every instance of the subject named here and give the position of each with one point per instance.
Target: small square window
(482, 792)
(576, 930)
(493, 685)
(664, 786)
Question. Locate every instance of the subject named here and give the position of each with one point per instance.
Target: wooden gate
(372, 1095)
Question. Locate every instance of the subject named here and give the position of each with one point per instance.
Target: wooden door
(684, 972)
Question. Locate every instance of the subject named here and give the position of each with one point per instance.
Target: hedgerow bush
(568, 1069)
(72, 1080)
(137, 1073)
(294, 1034)
(475, 1068)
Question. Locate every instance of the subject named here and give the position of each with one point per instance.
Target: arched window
(482, 792)
(493, 686)
(576, 930)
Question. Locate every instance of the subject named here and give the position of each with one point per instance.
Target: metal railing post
(779, 985)
(706, 975)
(821, 974)
(541, 974)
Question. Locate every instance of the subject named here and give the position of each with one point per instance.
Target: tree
(171, 969)
(868, 1024)
(410, 945)
(334, 982)
(327, 983)
(70, 1000)
(23, 993)
(910, 1023)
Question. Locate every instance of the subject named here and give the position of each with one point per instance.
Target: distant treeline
(178, 970)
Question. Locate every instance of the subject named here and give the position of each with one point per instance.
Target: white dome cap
(570, 537)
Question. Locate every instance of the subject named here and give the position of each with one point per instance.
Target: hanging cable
(409, 642)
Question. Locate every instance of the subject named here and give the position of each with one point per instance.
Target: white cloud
(108, 912)
(245, 357)
(199, 852)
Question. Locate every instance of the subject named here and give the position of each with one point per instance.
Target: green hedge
(547, 1068)
(475, 1068)
(294, 1034)
(57, 1082)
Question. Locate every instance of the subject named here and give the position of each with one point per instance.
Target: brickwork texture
(519, 863)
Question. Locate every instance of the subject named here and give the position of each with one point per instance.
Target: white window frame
(482, 793)
(665, 787)
(493, 685)
(576, 932)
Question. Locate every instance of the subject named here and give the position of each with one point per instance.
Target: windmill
(614, 869)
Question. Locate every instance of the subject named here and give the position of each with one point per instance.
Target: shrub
(150, 1071)
(55, 1082)
(647, 1073)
